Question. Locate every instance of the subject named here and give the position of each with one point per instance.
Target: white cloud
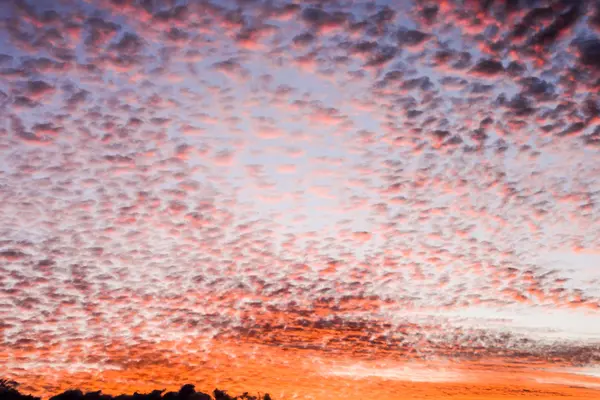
(412, 373)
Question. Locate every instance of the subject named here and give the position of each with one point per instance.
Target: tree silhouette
(9, 391)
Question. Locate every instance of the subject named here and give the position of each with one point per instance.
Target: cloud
(231, 67)
(321, 19)
(286, 183)
(304, 39)
(589, 52)
(403, 373)
(487, 67)
(411, 37)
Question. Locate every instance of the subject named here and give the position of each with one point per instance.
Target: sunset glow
(319, 200)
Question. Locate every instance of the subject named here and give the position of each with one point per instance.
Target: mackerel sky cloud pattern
(314, 199)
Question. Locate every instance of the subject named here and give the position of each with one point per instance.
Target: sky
(318, 200)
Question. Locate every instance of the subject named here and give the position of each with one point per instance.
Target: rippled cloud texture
(325, 199)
